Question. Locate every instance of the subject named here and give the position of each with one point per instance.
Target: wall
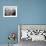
(7, 25)
(29, 12)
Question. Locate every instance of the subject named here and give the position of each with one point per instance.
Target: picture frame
(9, 11)
(39, 28)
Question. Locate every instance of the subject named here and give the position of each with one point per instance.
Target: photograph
(30, 33)
(9, 11)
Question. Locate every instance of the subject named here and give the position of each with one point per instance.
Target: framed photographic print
(33, 32)
(9, 11)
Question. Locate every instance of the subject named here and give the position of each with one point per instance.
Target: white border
(15, 7)
(18, 34)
